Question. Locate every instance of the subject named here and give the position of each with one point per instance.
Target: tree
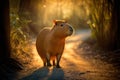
(115, 23)
(105, 23)
(7, 65)
(5, 30)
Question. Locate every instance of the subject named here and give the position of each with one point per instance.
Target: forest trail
(75, 65)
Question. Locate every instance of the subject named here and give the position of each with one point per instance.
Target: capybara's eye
(61, 25)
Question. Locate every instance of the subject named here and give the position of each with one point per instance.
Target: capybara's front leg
(48, 59)
(58, 60)
(44, 61)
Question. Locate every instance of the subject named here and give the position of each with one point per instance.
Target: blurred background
(99, 17)
(39, 13)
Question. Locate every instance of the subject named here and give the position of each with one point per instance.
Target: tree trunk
(5, 30)
(8, 66)
(115, 24)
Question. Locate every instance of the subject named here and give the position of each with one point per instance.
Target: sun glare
(49, 10)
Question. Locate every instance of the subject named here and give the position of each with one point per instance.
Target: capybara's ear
(65, 20)
(54, 21)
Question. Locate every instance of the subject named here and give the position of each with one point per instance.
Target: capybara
(50, 42)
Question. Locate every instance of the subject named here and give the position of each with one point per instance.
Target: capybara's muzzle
(71, 30)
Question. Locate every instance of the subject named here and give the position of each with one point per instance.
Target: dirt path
(75, 65)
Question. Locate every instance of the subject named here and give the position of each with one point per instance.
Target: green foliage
(20, 48)
(19, 41)
(18, 38)
(16, 22)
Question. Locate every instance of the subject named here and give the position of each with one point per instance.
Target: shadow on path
(57, 74)
(38, 74)
(45, 73)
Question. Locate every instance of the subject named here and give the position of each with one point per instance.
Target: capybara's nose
(70, 28)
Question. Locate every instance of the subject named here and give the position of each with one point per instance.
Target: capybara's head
(62, 28)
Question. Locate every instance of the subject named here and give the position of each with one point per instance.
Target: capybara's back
(40, 43)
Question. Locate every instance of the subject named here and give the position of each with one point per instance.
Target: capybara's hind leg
(58, 60)
(53, 62)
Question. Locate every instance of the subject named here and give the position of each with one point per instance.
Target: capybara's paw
(58, 66)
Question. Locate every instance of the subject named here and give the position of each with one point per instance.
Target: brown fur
(50, 42)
